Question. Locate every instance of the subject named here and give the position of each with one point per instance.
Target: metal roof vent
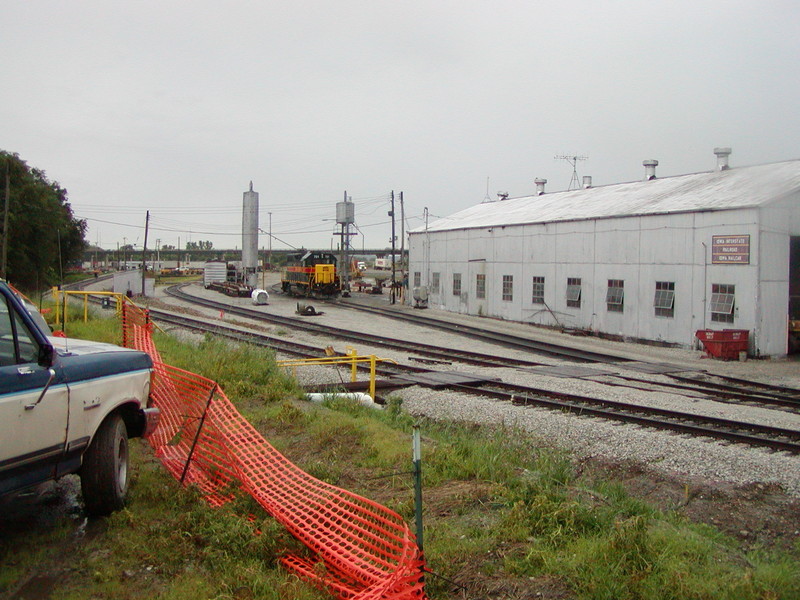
(502, 196)
(722, 158)
(539, 185)
(587, 182)
(650, 169)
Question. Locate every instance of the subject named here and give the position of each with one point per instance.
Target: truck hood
(76, 347)
(80, 360)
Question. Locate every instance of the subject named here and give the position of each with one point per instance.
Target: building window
(574, 292)
(456, 284)
(417, 279)
(615, 295)
(435, 283)
(508, 288)
(722, 302)
(664, 302)
(480, 286)
(537, 296)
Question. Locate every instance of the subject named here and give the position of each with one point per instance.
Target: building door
(794, 295)
(477, 299)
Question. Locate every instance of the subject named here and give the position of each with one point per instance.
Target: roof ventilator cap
(539, 185)
(722, 158)
(587, 182)
(650, 169)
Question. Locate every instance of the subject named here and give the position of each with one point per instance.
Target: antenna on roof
(573, 160)
(488, 198)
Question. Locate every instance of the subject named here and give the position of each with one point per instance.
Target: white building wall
(640, 250)
(637, 250)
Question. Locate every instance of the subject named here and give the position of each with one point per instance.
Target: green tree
(43, 235)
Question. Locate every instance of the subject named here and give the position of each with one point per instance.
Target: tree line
(41, 235)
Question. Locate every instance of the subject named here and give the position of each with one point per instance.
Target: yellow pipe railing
(351, 358)
(60, 297)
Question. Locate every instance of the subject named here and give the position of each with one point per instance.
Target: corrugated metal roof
(716, 190)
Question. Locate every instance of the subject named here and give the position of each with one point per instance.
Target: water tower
(345, 216)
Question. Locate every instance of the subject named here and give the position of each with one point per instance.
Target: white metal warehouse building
(654, 260)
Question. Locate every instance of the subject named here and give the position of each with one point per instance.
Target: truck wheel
(104, 474)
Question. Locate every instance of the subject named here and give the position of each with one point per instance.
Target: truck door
(33, 425)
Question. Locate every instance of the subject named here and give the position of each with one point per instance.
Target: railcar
(311, 274)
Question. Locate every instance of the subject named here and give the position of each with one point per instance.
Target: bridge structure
(111, 259)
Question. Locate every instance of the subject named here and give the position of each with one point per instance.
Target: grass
(502, 513)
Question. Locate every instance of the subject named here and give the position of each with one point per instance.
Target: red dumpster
(725, 344)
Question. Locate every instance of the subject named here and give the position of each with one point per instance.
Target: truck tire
(104, 474)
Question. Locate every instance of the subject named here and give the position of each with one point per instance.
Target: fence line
(362, 550)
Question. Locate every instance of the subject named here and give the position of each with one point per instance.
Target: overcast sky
(174, 107)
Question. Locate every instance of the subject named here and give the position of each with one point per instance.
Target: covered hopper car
(311, 274)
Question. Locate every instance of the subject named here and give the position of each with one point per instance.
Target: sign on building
(730, 249)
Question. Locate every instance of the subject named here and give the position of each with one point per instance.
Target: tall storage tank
(250, 237)
(214, 271)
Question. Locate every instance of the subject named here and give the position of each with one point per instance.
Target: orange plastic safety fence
(363, 550)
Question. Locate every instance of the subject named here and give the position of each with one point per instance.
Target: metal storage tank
(250, 237)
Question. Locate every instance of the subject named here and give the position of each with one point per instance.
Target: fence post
(197, 435)
(417, 457)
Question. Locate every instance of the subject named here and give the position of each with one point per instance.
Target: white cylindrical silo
(250, 237)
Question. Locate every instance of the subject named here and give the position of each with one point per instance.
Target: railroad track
(696, 387)
(716, 388)
(503, 339)
(434, 352)
(684, 423)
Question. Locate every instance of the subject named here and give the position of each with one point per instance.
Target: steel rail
(719, 393)
(781, 395)
(698, 425)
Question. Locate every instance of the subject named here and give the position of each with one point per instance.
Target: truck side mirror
(46, 355)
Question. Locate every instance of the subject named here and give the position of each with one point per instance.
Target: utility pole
(269, 256)
(402, 239)
(144, 250)
(5, 219)
(394, 237)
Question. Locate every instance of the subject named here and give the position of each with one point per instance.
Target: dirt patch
(757, 514)
(472, 582)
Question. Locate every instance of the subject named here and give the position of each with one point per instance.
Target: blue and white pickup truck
(67, 406)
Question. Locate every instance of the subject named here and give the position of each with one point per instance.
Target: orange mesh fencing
(362, 549)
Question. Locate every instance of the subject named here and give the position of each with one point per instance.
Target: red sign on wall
(730, 249)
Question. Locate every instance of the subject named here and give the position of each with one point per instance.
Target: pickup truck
(67, 406)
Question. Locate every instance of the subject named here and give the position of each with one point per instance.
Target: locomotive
(310, 274)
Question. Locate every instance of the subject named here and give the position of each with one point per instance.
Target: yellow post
(57, 307)
(372, 376)
(353, 354)
(86, 309)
